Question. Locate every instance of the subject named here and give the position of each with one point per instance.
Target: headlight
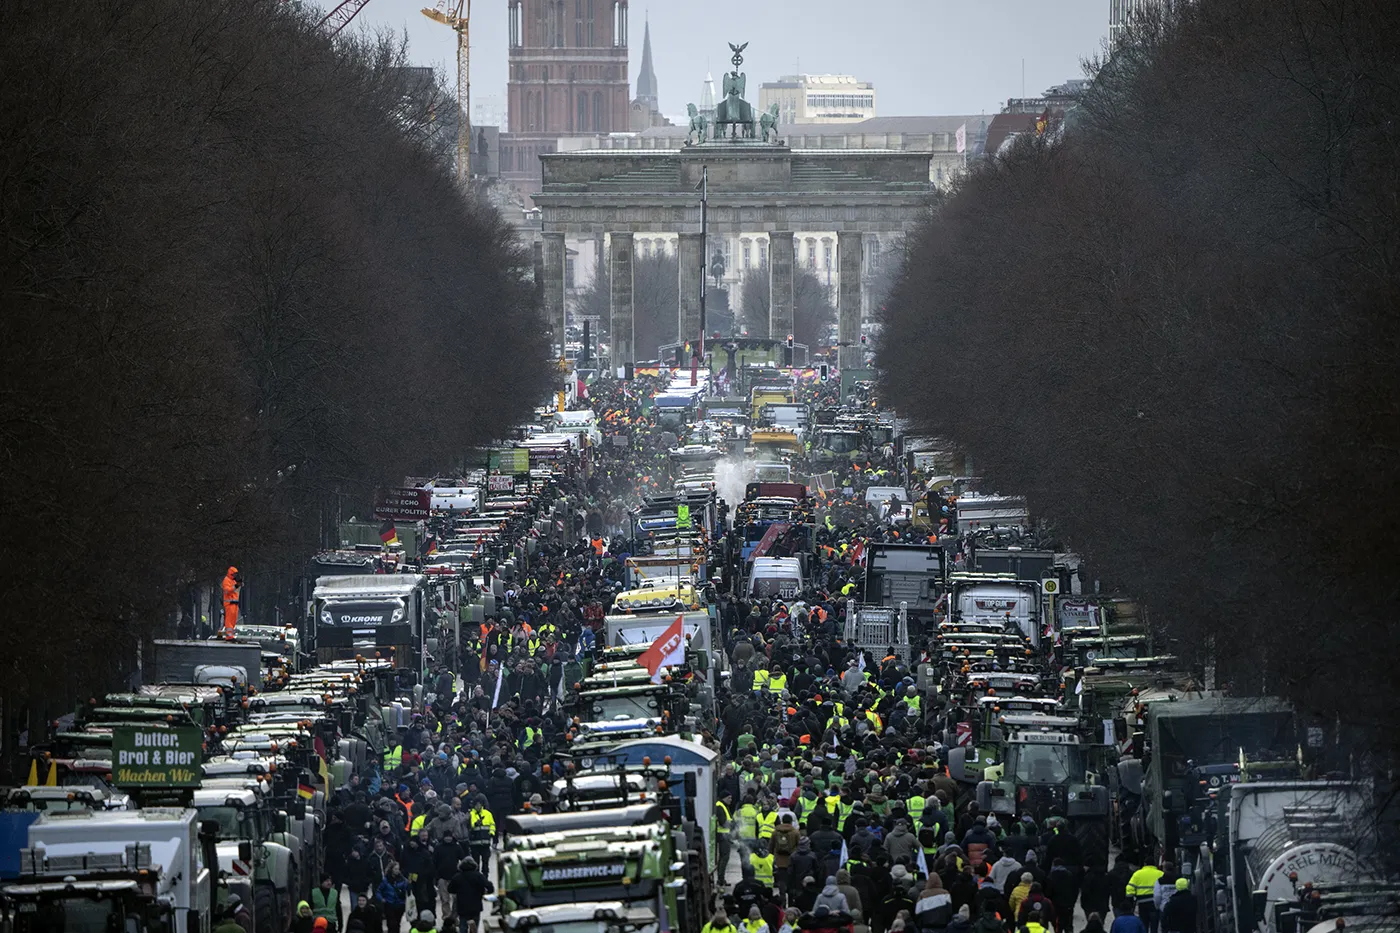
(397, 616)
(325, 617)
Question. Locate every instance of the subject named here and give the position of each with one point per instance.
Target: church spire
(646, 77)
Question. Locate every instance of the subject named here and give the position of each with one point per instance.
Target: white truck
(1284, 836)
(991, 511)
(138, 871)
(997, 597)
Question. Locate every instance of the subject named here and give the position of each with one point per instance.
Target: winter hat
(1027, 877)
(964, 913)
(427, 916)
(1182, 884)
(899, 873)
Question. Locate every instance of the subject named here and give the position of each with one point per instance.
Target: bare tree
(1175, 330)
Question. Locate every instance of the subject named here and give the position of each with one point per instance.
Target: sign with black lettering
(147, 757)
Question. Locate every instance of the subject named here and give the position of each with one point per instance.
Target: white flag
(922, 862)
(962, 138)
(845, 854)
(496, 697)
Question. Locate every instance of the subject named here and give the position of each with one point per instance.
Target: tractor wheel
(1092, 833)
(265, 913)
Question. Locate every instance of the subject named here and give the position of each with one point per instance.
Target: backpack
(784, 843)
(989, 922)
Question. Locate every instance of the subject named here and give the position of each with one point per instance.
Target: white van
(775, 578)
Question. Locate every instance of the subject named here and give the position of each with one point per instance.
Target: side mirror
(245, 851)
(1120, 730)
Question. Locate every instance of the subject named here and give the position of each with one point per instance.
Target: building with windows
(567, 76)
(1121, 14)
(818, 99)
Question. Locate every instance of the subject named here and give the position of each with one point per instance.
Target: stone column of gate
(780, 257)
(555, 255)
(848, 268)
(690, 254)
(621, 307)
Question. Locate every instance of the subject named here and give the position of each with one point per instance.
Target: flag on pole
(496, 697)
(667, 651)
(845, 855)
(388, 533)
(305, 791)
(922, 862)
(961, 136)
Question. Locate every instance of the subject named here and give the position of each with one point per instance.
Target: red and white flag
(667, 651)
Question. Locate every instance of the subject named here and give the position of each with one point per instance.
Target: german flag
(305, 791)
(432, 547)
(388, 533)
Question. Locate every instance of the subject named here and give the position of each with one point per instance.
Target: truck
(978, 597)
(1186, 744)
(140, 871)
(910, 574)
(976, 511)
(359, 615)
(1274, 840)
(215, 663)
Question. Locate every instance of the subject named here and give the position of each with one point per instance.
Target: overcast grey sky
(925, 57)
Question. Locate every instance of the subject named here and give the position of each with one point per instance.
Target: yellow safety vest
(766, 822)
(762, 867)
(393, 757)
(777, 682)
(875, 720)
(760, 679)
(915, 703)
(483, 819)
(722, 819)
(418, 822)
(753, 926)
(915, 806)
(833, 803)
(846, 810)
(748, 821)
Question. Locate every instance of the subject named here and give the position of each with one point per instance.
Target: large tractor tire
(1092, 833)
(266, 916)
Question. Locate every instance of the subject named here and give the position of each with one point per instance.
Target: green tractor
(599, 859)
(1047, 771)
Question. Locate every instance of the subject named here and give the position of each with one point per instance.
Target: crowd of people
(834, 804)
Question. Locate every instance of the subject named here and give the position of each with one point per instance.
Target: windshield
(82, 779)
(74, 914)
(231, 820)
(840, 443)
(784, 587)
(1044, 764)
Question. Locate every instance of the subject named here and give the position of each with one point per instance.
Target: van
(775, 578)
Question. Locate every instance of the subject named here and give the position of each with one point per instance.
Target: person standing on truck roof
(232, 586)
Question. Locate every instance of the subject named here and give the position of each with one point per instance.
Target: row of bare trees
(1176, 329)
(238, 281)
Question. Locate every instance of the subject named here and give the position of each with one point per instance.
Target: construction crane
(458, 16)
(341, 14)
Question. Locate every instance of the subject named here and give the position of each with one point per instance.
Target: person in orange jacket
(233, 582)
